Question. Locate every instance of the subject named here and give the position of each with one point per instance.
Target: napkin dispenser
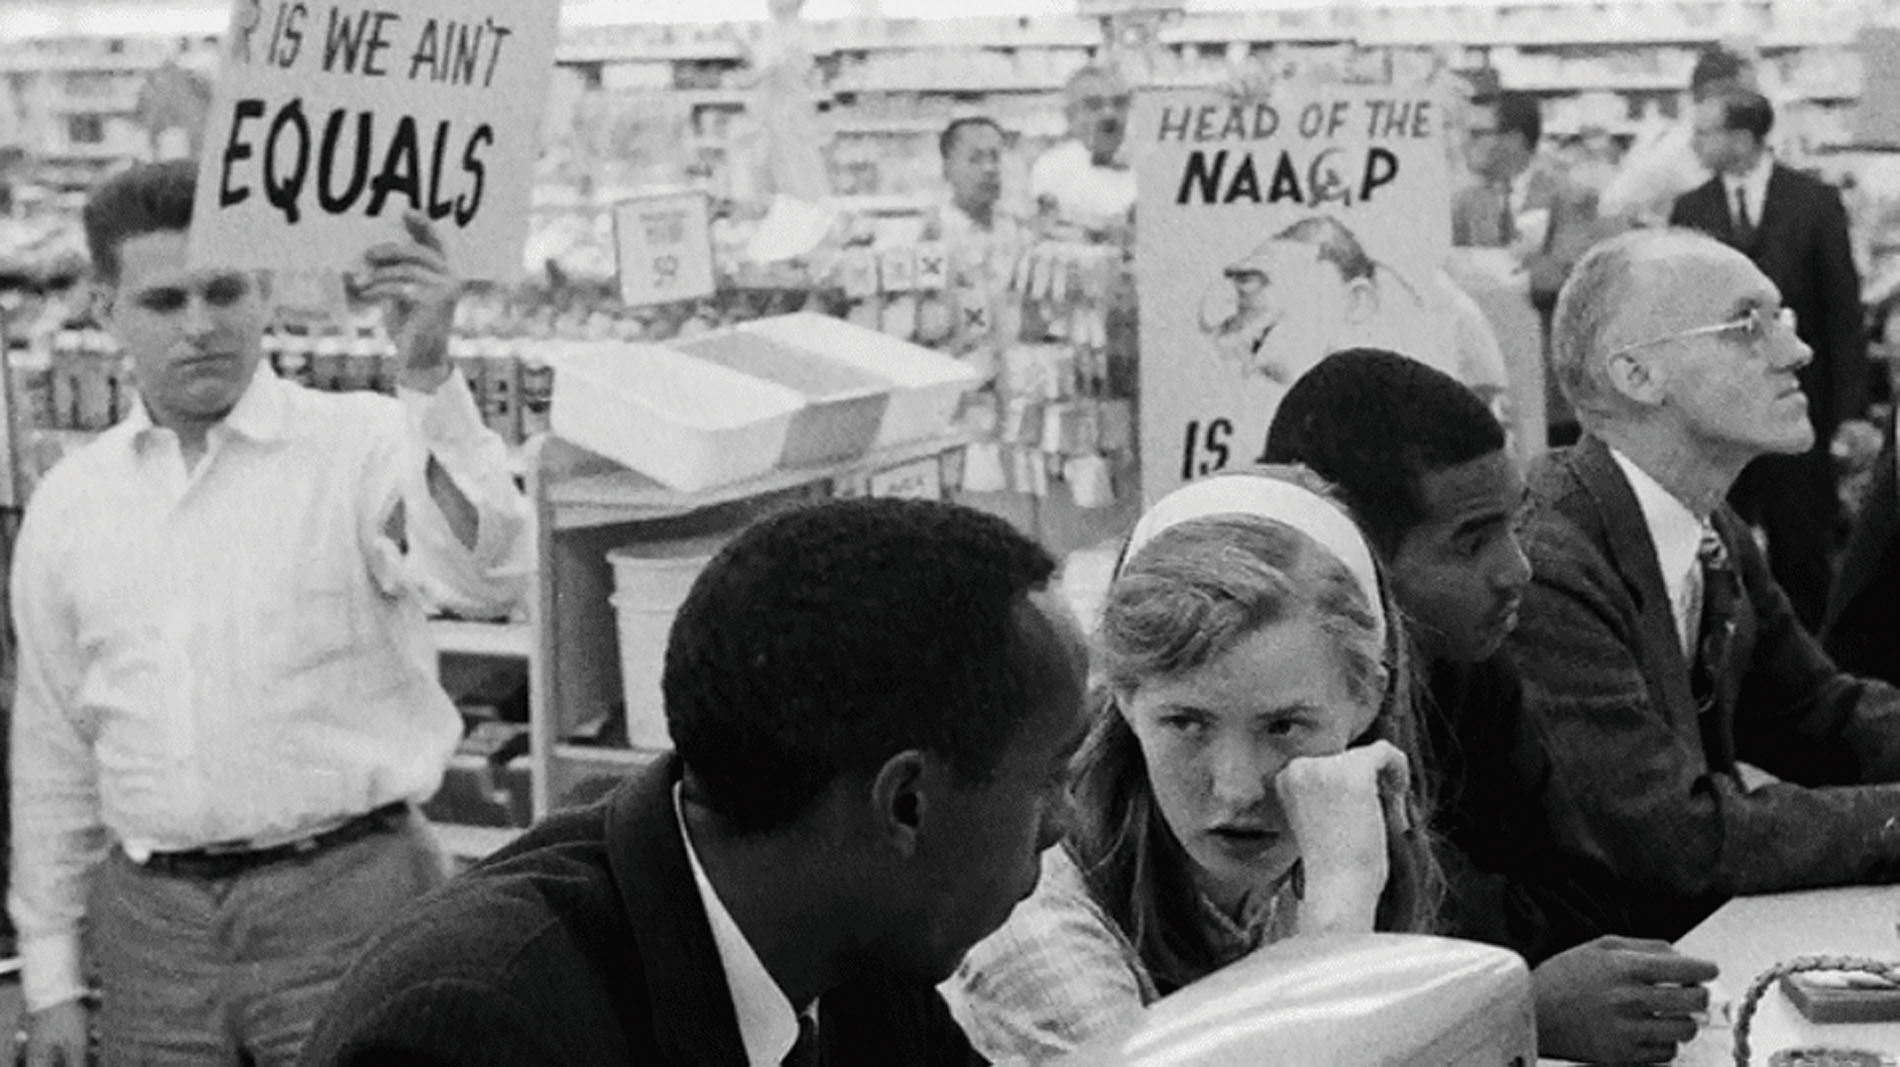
(1348, 1001)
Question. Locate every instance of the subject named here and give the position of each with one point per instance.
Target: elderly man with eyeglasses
(1653, 641)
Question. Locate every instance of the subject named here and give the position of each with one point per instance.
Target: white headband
(1247, 493)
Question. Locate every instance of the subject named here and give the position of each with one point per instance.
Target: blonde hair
(1184, 599)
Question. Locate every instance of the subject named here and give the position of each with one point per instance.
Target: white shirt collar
(1521, 186)
(768, 1027)
(1754, 185)
(1674, 530)
(258, 415)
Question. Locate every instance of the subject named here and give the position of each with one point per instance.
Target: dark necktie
(1744, 226)
(1721, 588)
(1507, 219)
(804, 1050)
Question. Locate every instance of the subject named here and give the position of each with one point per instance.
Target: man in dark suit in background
(1423, 465)
(873, 703)
(1795, 229)
(1524, 201)
(1653, 642)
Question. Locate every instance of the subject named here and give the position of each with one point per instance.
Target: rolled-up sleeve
(420, 549)
(58, 833)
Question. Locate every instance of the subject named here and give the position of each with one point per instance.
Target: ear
(1362, 300)
(900, 804)
(1638, 380)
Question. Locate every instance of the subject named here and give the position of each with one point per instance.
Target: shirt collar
(1674, 530)
(259, 414)
(1269, 917)
(1520, 186)
(768, 1027)
(1754, 181)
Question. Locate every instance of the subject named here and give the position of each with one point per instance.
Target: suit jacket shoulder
(526, 958)
(1799, 182)
(1697, 202)
(585, 943)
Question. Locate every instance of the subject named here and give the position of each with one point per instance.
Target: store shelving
(502, 640)
(601, 493)
(605, 755)
(587, 505)
(1022, 62)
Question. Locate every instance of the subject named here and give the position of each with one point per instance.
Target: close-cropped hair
(1715, 68)
(1746, 111)
(1374, 423)
(825, 640)
(1335, 243)
(947, 140)
(1184, 599)
(146, 198)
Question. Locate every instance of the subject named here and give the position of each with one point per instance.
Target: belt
(220, 862)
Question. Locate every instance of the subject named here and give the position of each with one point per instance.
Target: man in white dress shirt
(228, 702)
(1082, 181)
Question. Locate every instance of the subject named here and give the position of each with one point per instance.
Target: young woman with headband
(1250, 775)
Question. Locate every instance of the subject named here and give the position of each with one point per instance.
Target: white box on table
(687, 423)
(926, 385)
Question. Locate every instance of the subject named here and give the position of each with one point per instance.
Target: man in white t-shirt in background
(1081, 181)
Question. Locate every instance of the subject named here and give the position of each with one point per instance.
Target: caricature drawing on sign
(1307, 292)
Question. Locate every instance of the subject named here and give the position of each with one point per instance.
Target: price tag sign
(920, 480)
(665, 248)
(933, 266)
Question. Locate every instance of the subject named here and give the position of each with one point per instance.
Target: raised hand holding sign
(412, 281)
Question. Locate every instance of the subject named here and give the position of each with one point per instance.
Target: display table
(1751, 934)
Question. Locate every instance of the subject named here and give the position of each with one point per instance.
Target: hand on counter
(1619, 1000)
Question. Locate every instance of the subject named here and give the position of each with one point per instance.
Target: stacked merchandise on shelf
(66, 385)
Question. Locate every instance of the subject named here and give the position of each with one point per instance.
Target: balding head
(1095, 99)
(1625, 290)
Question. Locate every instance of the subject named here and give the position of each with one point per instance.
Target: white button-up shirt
(768, 1024)
(1752, 187)
(1088, 195)
(239, 652)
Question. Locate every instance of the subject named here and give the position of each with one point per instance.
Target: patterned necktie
(1721, 588)
(804, 1050)
(1507, 218)
(1744, 226)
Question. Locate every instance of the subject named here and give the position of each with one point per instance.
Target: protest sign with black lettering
(664, 245)
(332, 118)
(1271, 234)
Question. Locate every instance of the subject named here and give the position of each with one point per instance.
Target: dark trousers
(1794, 501)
